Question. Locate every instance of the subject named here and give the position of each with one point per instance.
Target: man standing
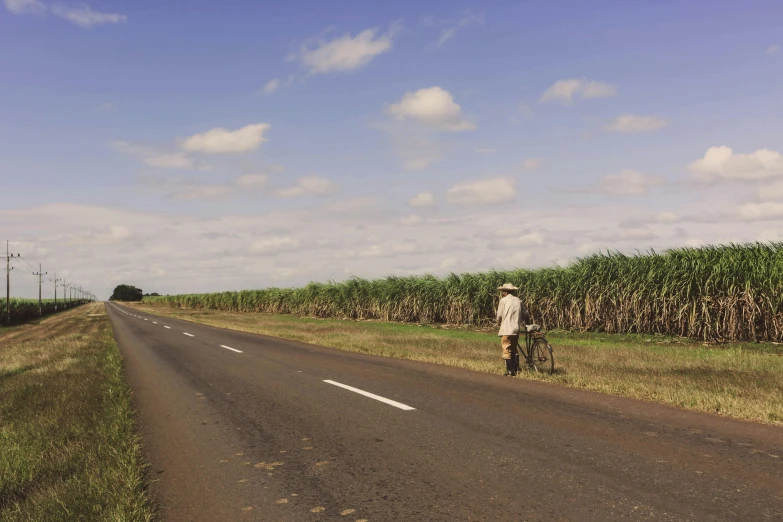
(511, 314)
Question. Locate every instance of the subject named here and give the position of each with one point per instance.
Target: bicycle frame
(530, 337)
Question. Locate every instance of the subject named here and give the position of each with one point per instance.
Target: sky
(198, 146)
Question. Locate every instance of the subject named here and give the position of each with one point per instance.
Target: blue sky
(246, 144)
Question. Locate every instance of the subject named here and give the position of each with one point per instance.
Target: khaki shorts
(509, 345)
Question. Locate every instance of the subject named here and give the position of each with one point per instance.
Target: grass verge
(68, 446)
(739, 380)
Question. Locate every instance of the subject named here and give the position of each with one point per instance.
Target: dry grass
(68, 448)
(738, 380)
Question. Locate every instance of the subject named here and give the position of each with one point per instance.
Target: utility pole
(55, 290)
(40, 274)
(8, 269)
(65, 295)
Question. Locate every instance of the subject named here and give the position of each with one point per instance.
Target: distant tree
(153, 294)
(126, 293)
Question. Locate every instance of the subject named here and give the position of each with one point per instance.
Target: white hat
(508, 287)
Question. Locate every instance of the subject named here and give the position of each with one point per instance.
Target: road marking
(229, 348)
(169, 327)
(373, 396)
(189, 335)
(154, 322)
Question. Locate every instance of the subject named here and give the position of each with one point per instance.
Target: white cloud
(153, 157)
(564, 91)
(532, 163)
(630, 124)
(531, 239)
(485, 191)
(628, 183)
(224, 141)
(271, 86)
(352, 205)
(448, 262)
(169, 161)
(411, 220)
(433, 107)
(346, 53)
(308, 185)
(770, 235)
(83, 16)
(274, 244)
(25, 7)
(422, 199)
(773, 49)
(515, 260)
(252, 181)
(450, 32)
(666, 217)
(760, 211)
(720, 163)
(203, 192)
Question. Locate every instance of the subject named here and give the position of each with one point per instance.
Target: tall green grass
(726, 292)
(26, 309)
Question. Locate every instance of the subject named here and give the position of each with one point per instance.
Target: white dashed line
(189, 335)
(232, 349)
(373, 396)
(154, 322)
(169, 327)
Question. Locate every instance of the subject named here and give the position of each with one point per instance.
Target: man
(510, 316)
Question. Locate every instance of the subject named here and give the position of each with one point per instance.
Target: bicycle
(538, 352)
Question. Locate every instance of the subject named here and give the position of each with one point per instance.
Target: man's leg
(514, 355)
(506, 343)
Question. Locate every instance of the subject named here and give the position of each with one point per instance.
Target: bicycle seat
(533, 328)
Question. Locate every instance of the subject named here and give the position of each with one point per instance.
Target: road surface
(239, 426)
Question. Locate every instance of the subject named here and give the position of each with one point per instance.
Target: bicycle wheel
(542, 358)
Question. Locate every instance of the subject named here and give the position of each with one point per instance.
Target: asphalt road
(239, 426)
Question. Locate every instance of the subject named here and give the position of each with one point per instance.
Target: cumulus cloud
(720, 163)
(451, 31)
(152, 157)
(224, 141)
(422, 199)
(271, 86)
(83, 16)
(411, 220)
(25, 7)
(482, 192)
(169, 161)
(308, 185)
(252, 181)
(433, 107)
(532, 163)
(564, 91)
(183, 188)
(347, 52)
(666, 217)
(628, 183)
(274, 244)
(631, 124)
(79, 14)
(765, 211)
(202, 192)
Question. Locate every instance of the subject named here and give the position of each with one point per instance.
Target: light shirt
(510, 313)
